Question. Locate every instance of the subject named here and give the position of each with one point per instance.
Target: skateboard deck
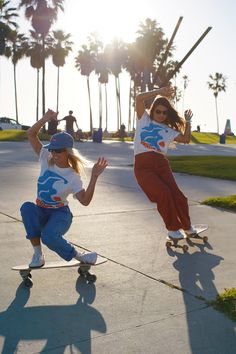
(83, 269)
(199, 228)
(172, 242)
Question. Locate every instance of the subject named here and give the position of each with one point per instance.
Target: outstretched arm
(32, 132)
(85, 196)
(144, 96)
(186, 136)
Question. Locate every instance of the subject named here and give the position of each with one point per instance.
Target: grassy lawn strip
(226, 303)
(223, 167)
(222, 202)
(18, 135)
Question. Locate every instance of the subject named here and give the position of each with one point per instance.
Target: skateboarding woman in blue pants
(49, 218)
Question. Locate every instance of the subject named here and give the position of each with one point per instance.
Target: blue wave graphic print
(45, 187)
(152, 136)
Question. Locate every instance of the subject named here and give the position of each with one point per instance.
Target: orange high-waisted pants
(154, 175)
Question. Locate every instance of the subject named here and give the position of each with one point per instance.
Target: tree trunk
(100, 104)
(58, 84)
(37, 98)
(16, 106)
(106, 107)
(217, 117)
(43, 79)
(90, 108)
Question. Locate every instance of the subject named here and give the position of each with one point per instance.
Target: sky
(216, 53)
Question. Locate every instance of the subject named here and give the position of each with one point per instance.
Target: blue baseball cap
(60, 141)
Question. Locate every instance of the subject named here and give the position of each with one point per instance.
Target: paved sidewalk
(145, 300)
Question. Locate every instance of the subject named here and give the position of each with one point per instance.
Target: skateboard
(199, 228)
(172, 242)
(83, 269)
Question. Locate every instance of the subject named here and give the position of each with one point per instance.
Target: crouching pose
(50, 218)
(155, 129)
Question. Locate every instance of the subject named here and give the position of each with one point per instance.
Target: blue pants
(49, 225)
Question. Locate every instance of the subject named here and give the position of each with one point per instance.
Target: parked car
(8, 123)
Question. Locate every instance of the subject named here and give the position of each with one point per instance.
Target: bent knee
(27, 207)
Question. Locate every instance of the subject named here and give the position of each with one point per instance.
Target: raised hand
(50, 115)
(188, 115)
(166, 91)
(99, 166)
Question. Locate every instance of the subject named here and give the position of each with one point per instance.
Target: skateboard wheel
(28, 283)
(205, 239)
(168, 244)
(185, 248)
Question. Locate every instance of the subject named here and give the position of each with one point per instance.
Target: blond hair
(75, 160)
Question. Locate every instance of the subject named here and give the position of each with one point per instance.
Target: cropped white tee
(55, 184)
(152, 136)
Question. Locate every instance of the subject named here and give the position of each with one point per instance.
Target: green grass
(210, 138)
(223, 167)
(18, 135)
(228, 202)
(226, 303)
(197, 138)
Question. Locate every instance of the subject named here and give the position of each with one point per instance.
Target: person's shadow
(57, 325)
(196, 277)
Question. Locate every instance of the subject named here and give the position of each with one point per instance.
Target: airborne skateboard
(172, 242)
(83, 269)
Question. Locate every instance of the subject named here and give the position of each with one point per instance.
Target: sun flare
(109, 19)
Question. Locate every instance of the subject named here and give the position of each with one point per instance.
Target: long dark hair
(173, 120)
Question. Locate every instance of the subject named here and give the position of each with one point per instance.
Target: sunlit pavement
(145, 299)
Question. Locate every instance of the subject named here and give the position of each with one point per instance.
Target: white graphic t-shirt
(152, 136)
(55, 183)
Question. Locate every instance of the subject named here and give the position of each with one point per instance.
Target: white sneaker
(191, 231)
(38, 260)
(87, 258)
(179, 234)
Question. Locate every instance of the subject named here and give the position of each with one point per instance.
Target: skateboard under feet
(83, 270)
(173, 242)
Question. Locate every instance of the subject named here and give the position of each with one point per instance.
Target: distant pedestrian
(155, 130)
(50, 218)
(122, 131)
(70, 121)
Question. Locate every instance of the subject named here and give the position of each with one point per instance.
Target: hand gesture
(188, 115)
(50, 115)
(167, 91)
(99, 167)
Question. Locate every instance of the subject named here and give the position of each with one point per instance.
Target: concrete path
(146, 299)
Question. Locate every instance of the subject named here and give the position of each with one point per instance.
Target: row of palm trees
(142, 59)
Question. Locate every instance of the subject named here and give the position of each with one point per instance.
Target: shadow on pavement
(207, 334)
(56, 326)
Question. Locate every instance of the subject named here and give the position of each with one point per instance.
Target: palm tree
(6, 22)
(42, 13)
(60, 48)
(84, 62)
(96, 49)
(217, 84)
(101, 69)
(16, 48)
(150, 46)
(116, 54)
(37, 53)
